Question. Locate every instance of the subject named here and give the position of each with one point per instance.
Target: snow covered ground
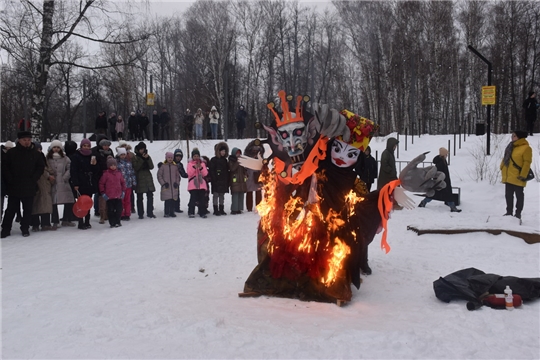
(167, 288)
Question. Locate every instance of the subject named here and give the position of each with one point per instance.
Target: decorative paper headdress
(287, 117)
(362, 129)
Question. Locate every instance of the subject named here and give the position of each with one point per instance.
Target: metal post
(84, 106)
(151, 113)
(488, 115)
(397, 146)
(454, 144)
(226, 107)
(406, 133)
(459, 136)
(449, 152)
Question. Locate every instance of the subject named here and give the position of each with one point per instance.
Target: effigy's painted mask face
(293, 138)
(344, 155)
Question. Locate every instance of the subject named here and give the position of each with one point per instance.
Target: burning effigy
(317, 217)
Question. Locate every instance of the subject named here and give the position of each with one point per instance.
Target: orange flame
(300, 239)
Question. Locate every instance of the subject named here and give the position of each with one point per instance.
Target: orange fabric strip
(385, 206)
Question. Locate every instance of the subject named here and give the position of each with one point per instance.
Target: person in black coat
(366, 168)
(164, 124)
(446, 193)
(22, 167)
(188, 124)
(530, 105)
(143, 126)
(219, 173)
(241, 116)
(85, 172)
(133, 126)
(101, 123)
(155, 125)
(112, 126)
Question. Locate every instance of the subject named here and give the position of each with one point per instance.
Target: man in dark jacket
(155, 125)
(446, 193)
(388, 170)
(22, 167)
(164, 123)
(530, 105)
(241, 116)
(188, 124)
(101, 123)
(112, 126)
(143, 125)
(366, 167)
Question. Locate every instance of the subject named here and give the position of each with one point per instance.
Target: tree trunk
(42, 70)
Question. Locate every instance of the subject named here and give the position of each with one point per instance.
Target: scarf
(85, 152)
(508, 153)
(56, 155)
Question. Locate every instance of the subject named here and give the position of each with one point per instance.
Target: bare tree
(41, 32)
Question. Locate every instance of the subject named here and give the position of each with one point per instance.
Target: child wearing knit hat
(197, 186)
(169, 179)
(112, 188)
(126, 168)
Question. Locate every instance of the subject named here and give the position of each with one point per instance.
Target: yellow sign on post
(150, 99)
(488, 95)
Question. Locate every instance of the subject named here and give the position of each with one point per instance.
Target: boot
(455, 209)
(221, 211)
(216, 211)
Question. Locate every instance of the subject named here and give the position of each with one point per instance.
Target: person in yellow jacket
(514, 167)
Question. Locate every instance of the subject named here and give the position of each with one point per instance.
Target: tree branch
(73, 26)
(129, 63)
(144, 37)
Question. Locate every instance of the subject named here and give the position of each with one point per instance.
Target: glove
(105, 197)
(425, 180)
(123, 194)
(175, 185)
(166, 185)
(521, 178)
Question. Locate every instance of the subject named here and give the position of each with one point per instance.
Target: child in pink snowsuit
(112, 186)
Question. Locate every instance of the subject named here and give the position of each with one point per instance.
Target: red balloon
(78, 212)
(85, 202)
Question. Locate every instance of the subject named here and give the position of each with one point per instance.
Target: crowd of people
(119, 180)
(137, 125)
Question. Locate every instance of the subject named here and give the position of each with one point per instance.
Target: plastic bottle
(508, 298)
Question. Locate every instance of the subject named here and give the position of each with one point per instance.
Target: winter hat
(178, 152)
(235, 151)
(122, 143)
(521, 134)
(104, 142)
(169, 155)
(132, 113)
(37, 145)
(85, 142)
(9, 144)
(194, 152)
(56, 143)
(223, 147)
(213, 108)
(140, 146)
(111, 162)
(24, 134)
(531, 93)
(443, 152)
(120, 151)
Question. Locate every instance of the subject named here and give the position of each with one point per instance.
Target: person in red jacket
(112, 187)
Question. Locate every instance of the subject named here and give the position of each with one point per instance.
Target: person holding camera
(142, 164)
